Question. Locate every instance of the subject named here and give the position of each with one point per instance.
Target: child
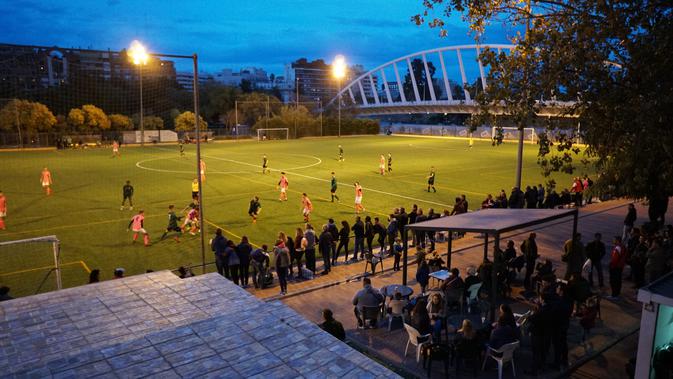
(397, 253)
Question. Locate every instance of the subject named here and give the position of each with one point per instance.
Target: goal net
(264, 134)
(512, 134)
(31, 266)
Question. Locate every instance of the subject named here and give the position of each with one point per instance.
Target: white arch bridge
(429, 81)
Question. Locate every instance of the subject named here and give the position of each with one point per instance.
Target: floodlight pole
(198, 161)
(142, 123)
(339, 81)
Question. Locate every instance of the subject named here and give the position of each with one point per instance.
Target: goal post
(273, 133)
(20, 259)
(510, 133)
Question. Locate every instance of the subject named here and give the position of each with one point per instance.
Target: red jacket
(618, 257)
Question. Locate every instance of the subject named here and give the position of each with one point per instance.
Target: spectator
(119, 273)
(420, 319)
(243, 251)
(380, 230)
(309, 247)
(366, 297)
(488, 202)
(325, 247)
(510, 251)
(94, 276)
(516, 198)
(260, 264)
(232, 260)
(334, 232)
(392, 232)
(359, 233)
(505, 330)
(541, 325)
(540, 196)
(501, 201)
(454, 282)
(437, 314)
(529, 251)
(218, 244)
(471, 279)
(397, 304)
(4, 294)
(397, 254)
(344, 238)
(282, 260)
(369, 233)
(573, 255)
(332, 326)
(184, 272)
(656, 261)
(531, 197)
(636, 257)
(435, 262)
(298, 251)
(629, 220)
(617, 263)
(402, 222)
(563, 309)
(289, 243)
(579, 289)
(423, 275)
(595, 252)
(420, 235)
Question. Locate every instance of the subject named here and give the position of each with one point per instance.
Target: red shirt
(3, 203)
(618, 257)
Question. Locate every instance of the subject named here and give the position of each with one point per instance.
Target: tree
(26, 117)
(611, 58)
(120, 122)
(185, 122)
(153, 123)
(216, 101)
(421, 81)
(253, 106)
(76, 118)
(94, 118)
(246, 86)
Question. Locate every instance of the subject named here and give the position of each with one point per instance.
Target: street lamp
(139, 57)
(339, 71)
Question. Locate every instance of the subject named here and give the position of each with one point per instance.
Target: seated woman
(505, 330)
(420, 319)
(468, 346)
(437, 315)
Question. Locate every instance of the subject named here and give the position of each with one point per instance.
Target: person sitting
(397, 304)
(437, 315)
(467, 345)
(332, 326)
(510, 251)
(454, 281)
(420, 319)
(471, 278)
(544, 272)
(488, 202)
(505, 330)
(366, 297)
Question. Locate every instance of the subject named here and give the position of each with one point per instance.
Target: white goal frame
(533, 134)
(259, 132)
(56, 248)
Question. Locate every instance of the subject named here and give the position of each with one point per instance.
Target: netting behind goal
(33, 266)
(273, 134)
(512, 134)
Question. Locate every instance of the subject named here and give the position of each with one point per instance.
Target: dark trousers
(359, 247)
(282, 278)
(616, 281)
(396, 263)
(382, 243)
(560, 342)
(326, 258)
(219, 263)
(233, 270)
(310, 259)
(296, 258)
(540, 346)
(244, 273)
(530, 267)
(370, 241)
(596, 266)
(227, 272)
(342, 244)
(335, 254)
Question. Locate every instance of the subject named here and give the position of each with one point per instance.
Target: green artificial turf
(84, 213)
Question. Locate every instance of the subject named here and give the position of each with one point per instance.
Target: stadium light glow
(339, 66)
(138, 53)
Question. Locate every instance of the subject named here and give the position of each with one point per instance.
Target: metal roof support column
(405, 246)
(448, 250)
(494, 277)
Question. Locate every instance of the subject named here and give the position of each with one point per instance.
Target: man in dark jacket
(392, 232)
(218, 244)
(412, 219)
(531, 197)
(629, 220)
(359, 233)
(540, 196)
(380, 230)
(402, 221)
(529, 251)
(334, 231)
(541, 323)
(516, 198)
(332, 326)
(325, 247)
(595, 252)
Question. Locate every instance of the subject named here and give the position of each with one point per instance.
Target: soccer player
(172, 224)
(341, 154)
(192, 221)
(382, 164)
(254, 209)
(202, 166)
(3, 210)
(115, 149)
(265, 164)
(45, 179)
(307, 206)
(137, 224)
(333, 188)
(358, 198)
(195, 189)
(431, 179)
(127, 192)
(470, 141)
(182, 148)
(283, 184)
(390, 163)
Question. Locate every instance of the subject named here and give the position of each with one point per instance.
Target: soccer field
(84, 213)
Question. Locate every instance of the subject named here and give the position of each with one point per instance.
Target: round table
(389, 290)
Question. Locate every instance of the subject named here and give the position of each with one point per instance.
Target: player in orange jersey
(283, 184)
(3, 210)
(115, 149)
(45, 179)
(382, 165)
(358, 198)
(202, 166)
(137, 224)
(307, 206)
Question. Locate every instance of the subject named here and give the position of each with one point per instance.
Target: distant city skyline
(234, 34)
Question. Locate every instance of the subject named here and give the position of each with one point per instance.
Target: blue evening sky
(234, 34)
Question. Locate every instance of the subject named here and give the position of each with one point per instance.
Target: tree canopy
(611, 58)
(30, 117)
(185, 122)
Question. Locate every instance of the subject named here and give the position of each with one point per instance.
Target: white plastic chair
(414, 337)
(472, 294)
(503, 355)
(392, 316)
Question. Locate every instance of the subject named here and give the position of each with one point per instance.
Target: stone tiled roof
(159, 325)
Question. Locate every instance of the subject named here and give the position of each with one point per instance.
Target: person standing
(244, 250)
(333, 188)
(369, 233)
(182, 148)
(341, 154)
(617, 263)
(202, 169)
(45, 179)
(3, 210)
(359, 233)
(334, 231)
(307, 207)
(573, 255)
(530, 254)
(382, 164)
(309, 247)
(115, 149)
(233, 263)
(344, 238)
(218, 245)
(173, 226)
(391, 231)
(596, 252)
(540, 196)
(265, 164)
(390, 163)
(358, 198)
(127, 193)
(260, 264)
(282, 260)
(137, 224)
(431, 179)
(283, 184)
(254, 209)
(629, 220)
(195, 189)
(423, 274)
(380, 230)
(541, 323)
(298, 251)
(325, 248)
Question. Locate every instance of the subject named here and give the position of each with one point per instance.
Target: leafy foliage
(185, 122)
(120, 122)
(28, 116)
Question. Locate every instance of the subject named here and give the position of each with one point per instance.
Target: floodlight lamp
(339, 66)
(138, 53)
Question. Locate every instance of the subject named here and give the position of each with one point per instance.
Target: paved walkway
(619, 318)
